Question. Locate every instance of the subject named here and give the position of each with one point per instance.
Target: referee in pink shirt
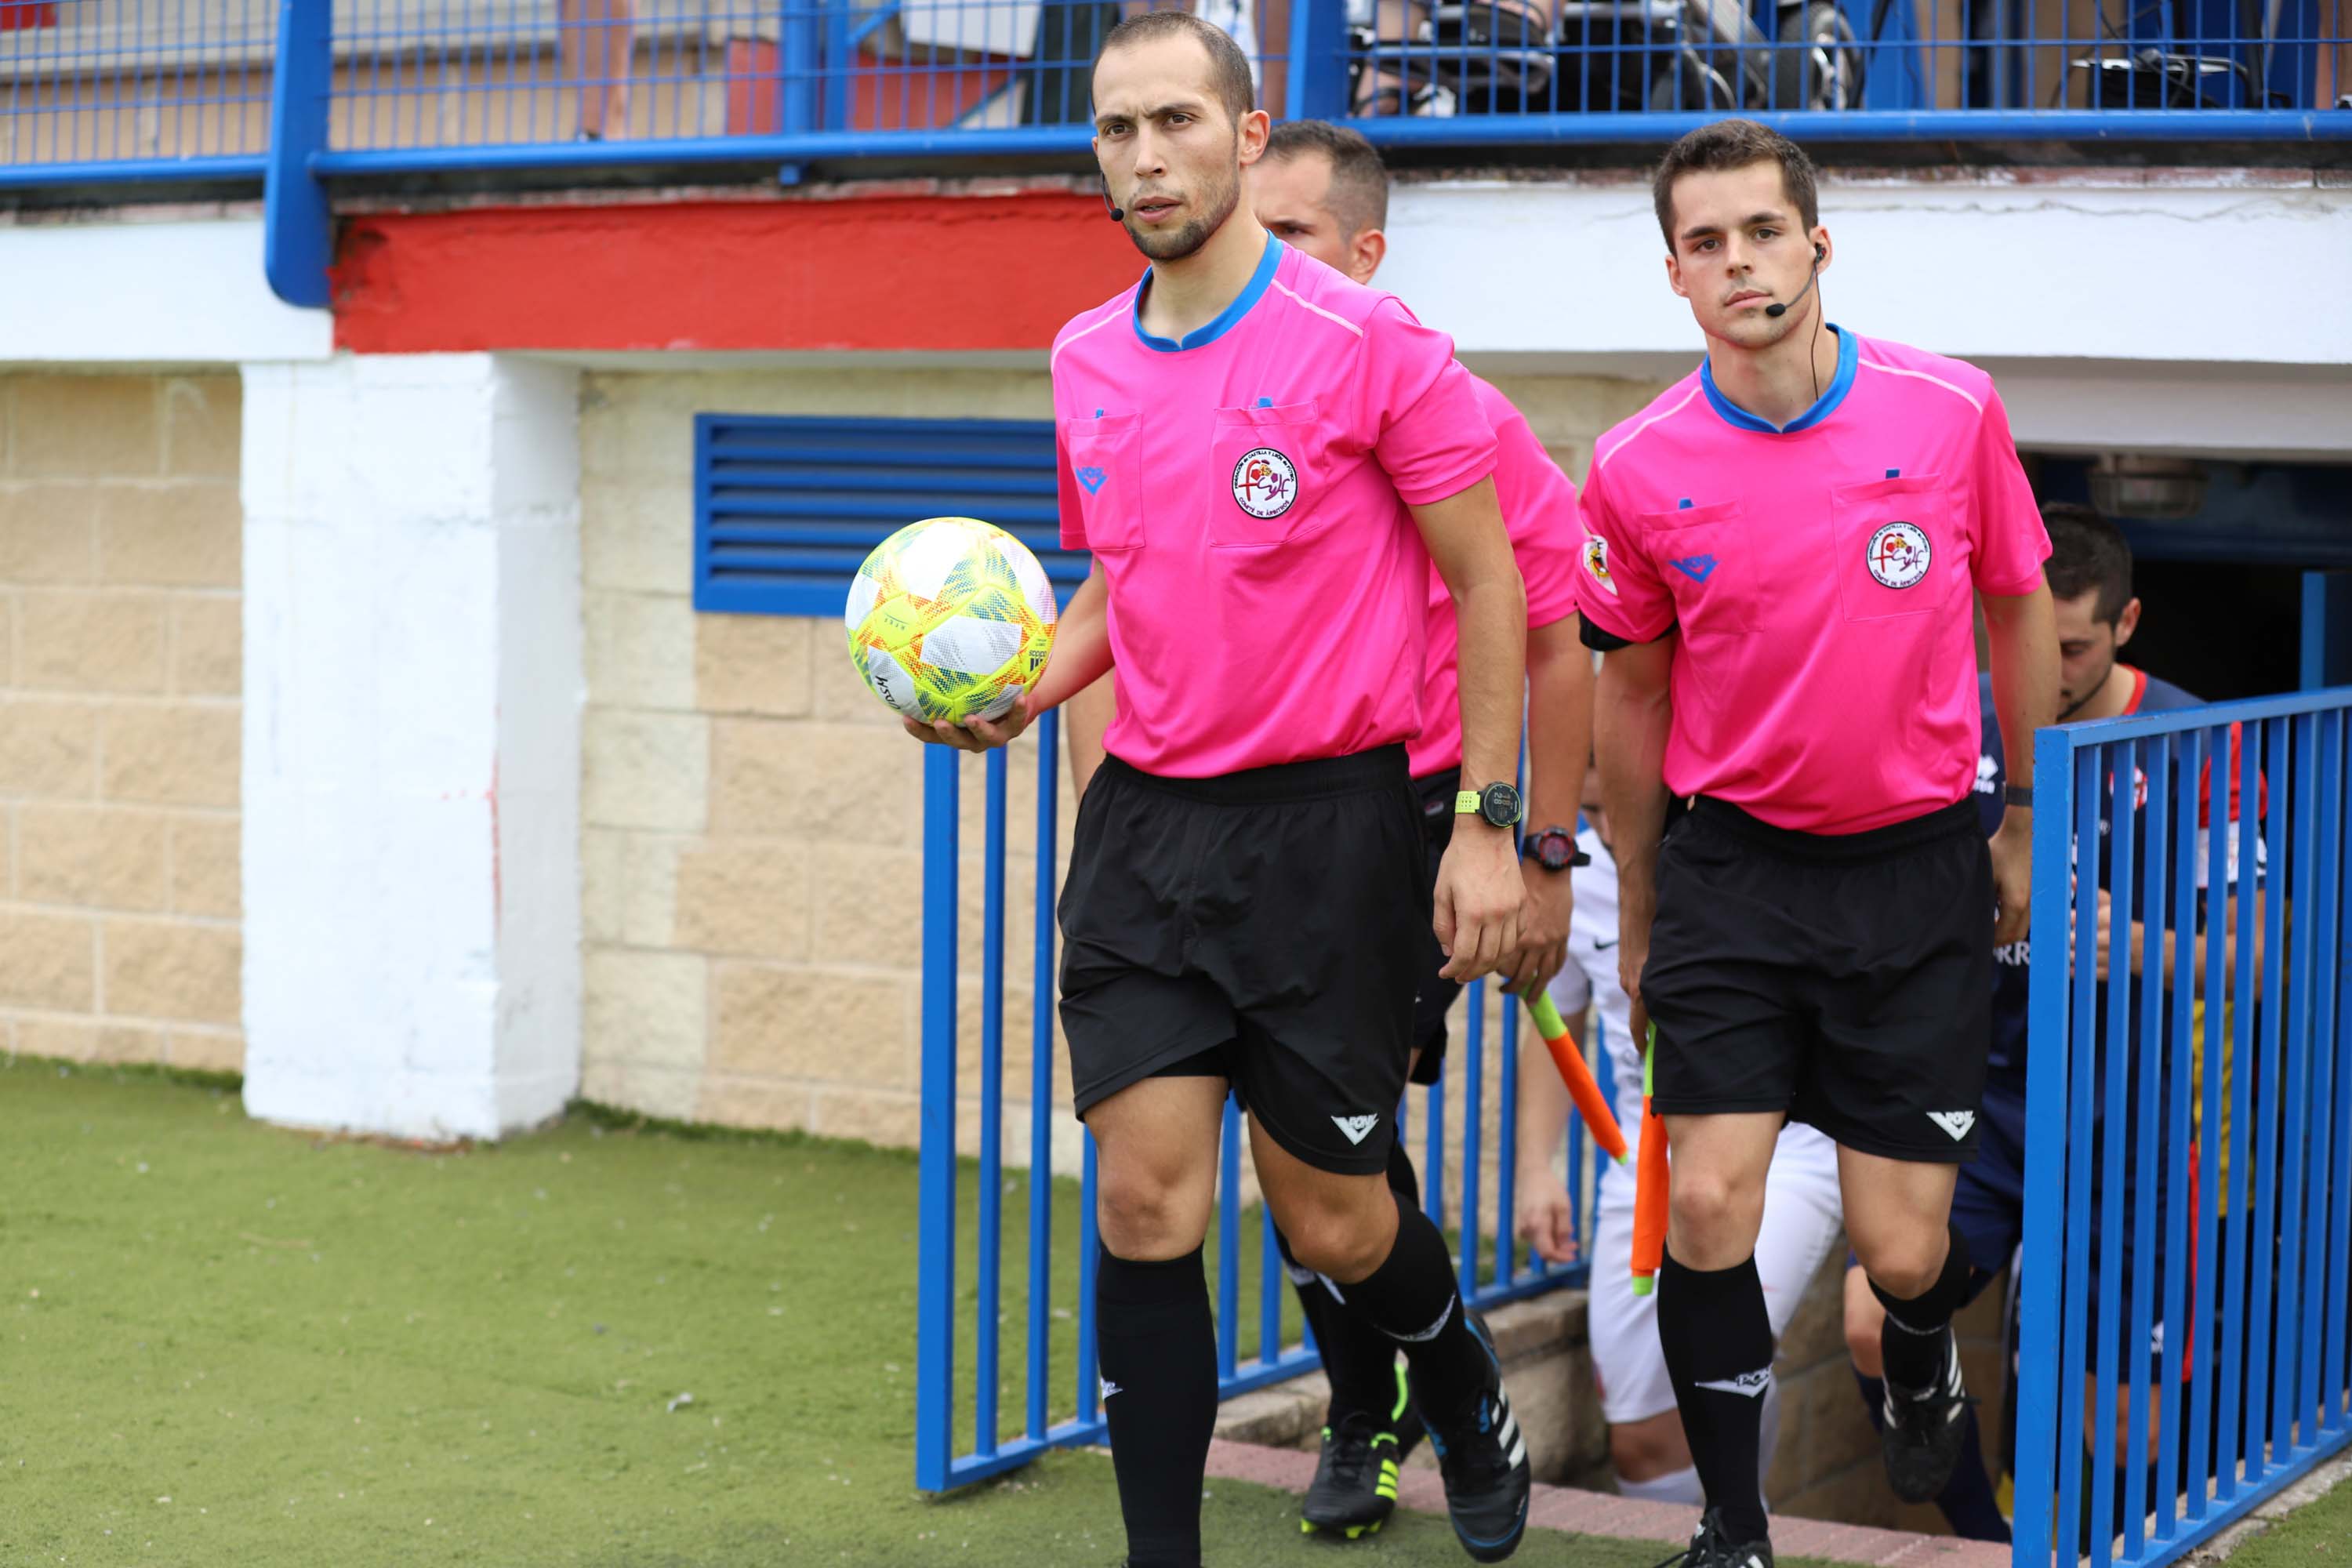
(1265, 459)
(1783, 551)
(1322, 189)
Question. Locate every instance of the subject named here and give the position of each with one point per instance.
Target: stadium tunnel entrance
(2220, 553)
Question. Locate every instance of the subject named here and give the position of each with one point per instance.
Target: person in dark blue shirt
(2090, 576)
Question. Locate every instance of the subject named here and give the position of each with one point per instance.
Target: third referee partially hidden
(1781, 557)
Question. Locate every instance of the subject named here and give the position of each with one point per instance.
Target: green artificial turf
(2316, 1536)
(221, 1342)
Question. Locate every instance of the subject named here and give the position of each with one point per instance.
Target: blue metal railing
(178, 91)
(147, 89)
(2183, 1345)
(140, 90)
(959, 1438)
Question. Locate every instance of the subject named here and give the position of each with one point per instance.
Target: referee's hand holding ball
(974, 734)
(1479, 897)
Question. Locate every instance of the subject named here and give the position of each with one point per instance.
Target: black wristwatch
(1553, 848)
(2017, 794)
(1499, 804)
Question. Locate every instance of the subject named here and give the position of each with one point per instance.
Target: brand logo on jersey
(1898, 555)
(1596, 562)
(1750, 1384)
(1357, 1128)
(1092, 478)
(1697, 568)
(1264, 482)
(1955, 1122)
(1988, 776)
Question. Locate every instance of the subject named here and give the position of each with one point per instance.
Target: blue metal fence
(2183, 1345)
(959, 1436)
(154, 89)
(134, 90)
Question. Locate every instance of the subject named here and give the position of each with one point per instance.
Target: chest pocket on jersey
(1264, 461)
(1898, 547)
(1105, 461)
(1701, 554)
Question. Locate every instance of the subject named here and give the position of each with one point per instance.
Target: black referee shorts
(1434, 996)
(1267, 926)
(1845, 980)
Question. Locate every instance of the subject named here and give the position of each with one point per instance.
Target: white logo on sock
(1435, 1329)
(1750, 1384)
(1110, 1388)
(1955, 1122)
(1357, 1128)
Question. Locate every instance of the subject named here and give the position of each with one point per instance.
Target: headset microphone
(1777, 311)
(1118, 213)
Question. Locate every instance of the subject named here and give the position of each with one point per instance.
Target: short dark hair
(1734, 145)
(2087, 550)
(1359, 181)
(1229, 68)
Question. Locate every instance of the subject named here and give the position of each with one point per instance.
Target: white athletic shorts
(1802, 1218)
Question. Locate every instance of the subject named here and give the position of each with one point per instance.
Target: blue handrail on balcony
(294, 95)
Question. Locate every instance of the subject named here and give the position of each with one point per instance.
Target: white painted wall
(179, 290)
(412, 743)
(2167, 311)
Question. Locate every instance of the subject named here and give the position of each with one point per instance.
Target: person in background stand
(597, 41)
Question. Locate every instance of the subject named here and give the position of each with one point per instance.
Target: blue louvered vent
(785, 508)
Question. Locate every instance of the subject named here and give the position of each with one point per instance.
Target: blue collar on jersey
(1849, 354)
(1226, 319)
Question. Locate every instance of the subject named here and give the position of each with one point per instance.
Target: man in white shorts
(1801, 1213)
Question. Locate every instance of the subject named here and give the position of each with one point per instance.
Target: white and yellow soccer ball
(951, 618)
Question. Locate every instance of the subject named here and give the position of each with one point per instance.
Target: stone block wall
(121, 678)
(751, 815)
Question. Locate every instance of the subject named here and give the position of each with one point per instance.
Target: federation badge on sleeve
(1596, 562)
(1264, 482)
(1898, 555)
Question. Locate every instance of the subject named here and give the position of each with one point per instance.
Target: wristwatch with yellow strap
(1499, 804)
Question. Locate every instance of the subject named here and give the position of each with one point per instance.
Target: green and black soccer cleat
(1355, 1484)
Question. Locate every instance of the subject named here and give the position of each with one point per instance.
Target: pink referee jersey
(1540, 509)
(1246, 492)
(1825, 679)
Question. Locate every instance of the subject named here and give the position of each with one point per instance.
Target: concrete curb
(1599, 1513)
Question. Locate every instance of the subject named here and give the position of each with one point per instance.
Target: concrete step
(1600, 1513)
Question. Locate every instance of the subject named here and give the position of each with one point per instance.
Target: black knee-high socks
(1917, 1336)
(1717, 1339)
(1156, 1346)
(1358, 1358)
(1412, 1298)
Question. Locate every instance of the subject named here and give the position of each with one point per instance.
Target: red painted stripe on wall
(903, 271)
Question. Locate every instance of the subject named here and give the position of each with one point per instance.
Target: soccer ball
(951, 618)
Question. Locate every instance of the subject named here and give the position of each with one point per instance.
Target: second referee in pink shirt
(1784, 549)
